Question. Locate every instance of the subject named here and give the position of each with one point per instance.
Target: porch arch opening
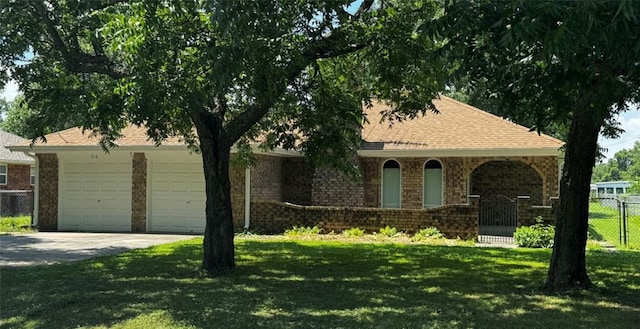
(507, 178)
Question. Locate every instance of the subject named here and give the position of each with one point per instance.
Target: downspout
(247, 197)
(36, 190)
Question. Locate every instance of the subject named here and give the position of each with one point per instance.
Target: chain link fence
(615, 221)
(16, 203)
(631, 223)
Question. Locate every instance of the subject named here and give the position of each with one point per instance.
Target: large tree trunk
(218, 249)
(568, 264)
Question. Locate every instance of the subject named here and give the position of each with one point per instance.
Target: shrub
(16, 224)
(535, 236)
(429, 233)
(298, 231)
(388, 231)
(353, 232)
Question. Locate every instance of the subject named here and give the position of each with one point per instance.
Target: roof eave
(134, 148)
(506, 152)
(18, 162)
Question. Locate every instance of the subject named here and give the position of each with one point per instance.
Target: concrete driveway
(55, 247)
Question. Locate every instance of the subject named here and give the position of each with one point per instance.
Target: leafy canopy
(282, 73)
(537, 61)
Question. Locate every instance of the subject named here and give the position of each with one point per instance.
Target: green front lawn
(287, 283)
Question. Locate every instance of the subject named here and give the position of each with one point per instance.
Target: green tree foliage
(22, 120)
(287, 73)
(574, 63)
(625, 165)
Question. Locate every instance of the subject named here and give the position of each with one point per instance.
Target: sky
(10, 91)
(630, 122)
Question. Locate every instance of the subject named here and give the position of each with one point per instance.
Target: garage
(95, 192)
(176, 200)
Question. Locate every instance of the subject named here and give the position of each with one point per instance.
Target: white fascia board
(277, 151)
(18, 162)
(92, 148)
(459, 153)
(138, 148)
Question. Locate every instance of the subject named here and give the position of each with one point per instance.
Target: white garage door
(95, 193)
(177, 200)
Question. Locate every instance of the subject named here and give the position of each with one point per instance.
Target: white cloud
(630, 122)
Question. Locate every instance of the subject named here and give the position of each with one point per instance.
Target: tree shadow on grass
(330, 285)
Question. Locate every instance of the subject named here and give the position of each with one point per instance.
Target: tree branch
(365, 6)
(334, 45)
(76, 61)
(245, 120)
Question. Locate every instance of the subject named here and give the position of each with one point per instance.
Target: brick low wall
(527, 213)
(452, 220)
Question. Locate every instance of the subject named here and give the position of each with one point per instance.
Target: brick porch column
(139, 193)
(47, 192)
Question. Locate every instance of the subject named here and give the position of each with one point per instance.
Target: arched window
(432, 186)
(391, 184)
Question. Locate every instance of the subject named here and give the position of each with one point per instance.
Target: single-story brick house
(429, 162)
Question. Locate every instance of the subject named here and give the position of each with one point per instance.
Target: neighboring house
(16, 168)
(613, 188)
(17, 173)
(431, 161)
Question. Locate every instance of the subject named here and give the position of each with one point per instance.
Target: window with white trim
(3, 174)
(391, 184)
(32, 175)
(432, 184)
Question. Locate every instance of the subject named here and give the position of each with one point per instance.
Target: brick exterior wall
(334, 188)
(371, 172)
(457, 173)
(139, 193)
(18, 177)
(298, 176)
(236, 177)
(452, 220)
(266, 178)
(48, 192)
(508, 178)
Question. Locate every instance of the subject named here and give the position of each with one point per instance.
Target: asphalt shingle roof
(8, 156)
(456, 126)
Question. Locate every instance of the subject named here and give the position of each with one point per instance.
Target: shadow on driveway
(55, 247)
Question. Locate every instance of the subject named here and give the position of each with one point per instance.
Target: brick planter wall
(452, 220)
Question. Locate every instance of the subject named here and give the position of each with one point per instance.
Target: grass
(15, 224)
(289, 283)
(604, 226)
